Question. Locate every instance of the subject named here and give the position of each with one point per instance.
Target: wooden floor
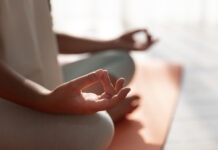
(157, 83)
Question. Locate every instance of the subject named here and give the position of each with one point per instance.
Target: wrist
(113, 44)
(38, 95)
(117, 44)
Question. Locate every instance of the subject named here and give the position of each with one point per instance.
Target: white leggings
(24, 129)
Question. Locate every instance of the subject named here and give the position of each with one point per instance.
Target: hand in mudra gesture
(126, 41)
(68, 98)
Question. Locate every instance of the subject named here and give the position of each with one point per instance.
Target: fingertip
(156, 40)
(121, 80)
(102, 74)
(122, 93)
(137, 97)
(119, 84)
(145, 30)
(99, 70)
(149, 37)
(135, 103)
(99, 73)
(125, 91)
(105, 72)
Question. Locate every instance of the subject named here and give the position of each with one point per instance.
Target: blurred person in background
(48, 113)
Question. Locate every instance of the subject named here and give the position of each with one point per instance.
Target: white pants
(25, 129)
(118, 63)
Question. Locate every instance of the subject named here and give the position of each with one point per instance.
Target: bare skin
(125, 107)
(70, 44)
(73, 45)
(67, 98)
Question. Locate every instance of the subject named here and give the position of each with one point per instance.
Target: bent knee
(120, 55)
(90, 132)
(104, 131)
(122, 65)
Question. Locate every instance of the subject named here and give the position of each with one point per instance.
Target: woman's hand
(127, 41)
(69, 98)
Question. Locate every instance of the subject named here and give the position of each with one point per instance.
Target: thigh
(118, 63)
(25, 129)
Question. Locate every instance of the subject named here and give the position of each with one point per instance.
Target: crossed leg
(119, 64)
(25, 129)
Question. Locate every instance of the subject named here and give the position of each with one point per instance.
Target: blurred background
(188, 34)
(108, 17)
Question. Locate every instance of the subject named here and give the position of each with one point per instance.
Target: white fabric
(27, 42)
(28, 45)
(25, 129)
(118, 63)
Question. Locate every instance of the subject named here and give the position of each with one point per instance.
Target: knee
(122, 61)
(104, 131)
(127, 60)
(92, 132)
(87, 132)
(121, 56)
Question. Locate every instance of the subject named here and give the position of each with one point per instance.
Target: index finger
(107, 85)
(86, 80)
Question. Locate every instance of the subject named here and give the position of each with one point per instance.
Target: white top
(27, 42)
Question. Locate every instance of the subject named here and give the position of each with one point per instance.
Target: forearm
(69, 44)
(20, 90)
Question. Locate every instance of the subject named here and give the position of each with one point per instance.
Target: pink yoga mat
(158, 85)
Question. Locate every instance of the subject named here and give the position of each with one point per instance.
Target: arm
(67, 98)
(69, 44)
(18, 89)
